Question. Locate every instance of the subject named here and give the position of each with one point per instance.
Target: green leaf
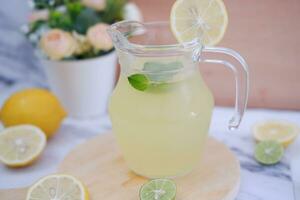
(92, 54)
(86, 18)
(162, 72)
(139, 81)
(74, 9)
(113, 11)
(60, 20)
(159, 87)
(34, 26)
(42, 4)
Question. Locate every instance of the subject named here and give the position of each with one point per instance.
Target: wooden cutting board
(99, 164)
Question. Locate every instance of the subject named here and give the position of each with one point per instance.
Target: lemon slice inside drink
(283, 132)
(21, 145)
(205, 19)
(269, 152)
(58, 187)
(158, 189)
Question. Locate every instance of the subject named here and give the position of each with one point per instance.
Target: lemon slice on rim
(282, 132)
(58, 187)
(203, 19)
(21, 145)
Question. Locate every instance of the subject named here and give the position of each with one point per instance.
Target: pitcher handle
(241, 80)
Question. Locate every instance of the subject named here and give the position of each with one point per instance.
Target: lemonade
(161, 108)
(162, 130)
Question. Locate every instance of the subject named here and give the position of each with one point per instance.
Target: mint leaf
(139, 81)
(158, 66)
(159, 87)
(158, 75)
(161, 72)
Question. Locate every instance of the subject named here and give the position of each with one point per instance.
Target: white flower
(95, 4)
(38, 15)
(58, 44)
(99, 38)
(132, 12)
(83, 44)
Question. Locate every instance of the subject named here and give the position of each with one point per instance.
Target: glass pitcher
(161, 108)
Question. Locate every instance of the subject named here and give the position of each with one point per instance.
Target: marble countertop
(257, 182)
(19, 69)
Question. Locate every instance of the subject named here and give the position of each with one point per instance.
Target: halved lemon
(21, 145)
(203, 19)
(58, 187)
(282, 132)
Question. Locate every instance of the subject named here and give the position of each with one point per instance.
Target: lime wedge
(269, 152)
(158, 189)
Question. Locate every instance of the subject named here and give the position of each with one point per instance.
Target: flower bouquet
(71, 40)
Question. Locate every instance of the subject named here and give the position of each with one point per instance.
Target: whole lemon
(33, 106)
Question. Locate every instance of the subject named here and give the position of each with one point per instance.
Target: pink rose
(99, 38)
(38, 15)
(95, 4)
(58, 44)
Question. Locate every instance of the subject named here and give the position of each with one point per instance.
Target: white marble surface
(258, 182)
(19, 69)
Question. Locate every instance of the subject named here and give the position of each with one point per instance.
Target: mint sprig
(139, 81)
(158, 75)
(162, 72)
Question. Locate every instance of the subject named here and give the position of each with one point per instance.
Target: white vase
(83, 86)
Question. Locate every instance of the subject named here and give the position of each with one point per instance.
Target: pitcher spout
(121, 31)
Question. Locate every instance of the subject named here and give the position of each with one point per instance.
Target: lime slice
(205, 19)
(158, 189)
(283, 132)
(21, 145)
(58, 187)
(269, 152)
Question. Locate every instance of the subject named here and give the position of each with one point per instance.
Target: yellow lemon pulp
(58, 187)
(21, 145)
(33, 106)
(206, 20)
(282, 132)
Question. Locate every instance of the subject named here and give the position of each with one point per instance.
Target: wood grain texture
(13, 194)
(267, 34)
(99, 164)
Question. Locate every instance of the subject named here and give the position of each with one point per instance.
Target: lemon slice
(21, 145)
(282, 132)
(58, 187)
(203, 19)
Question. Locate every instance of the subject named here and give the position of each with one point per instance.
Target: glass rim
(138, 48)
